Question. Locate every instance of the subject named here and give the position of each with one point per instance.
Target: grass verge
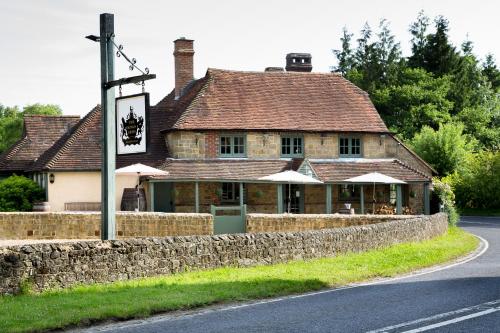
(139, 298)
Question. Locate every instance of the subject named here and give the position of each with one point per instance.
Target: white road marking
(452, 321)
(484, 309)
(169, 317)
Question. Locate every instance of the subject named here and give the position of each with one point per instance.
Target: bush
(445, 193)
(477, 182)
(17, 193)
(444, 149)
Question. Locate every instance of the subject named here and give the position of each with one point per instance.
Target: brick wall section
(262, 198)
(292, 223)
(315, 199)
(87, 225)
(212, 144)
(66, 264)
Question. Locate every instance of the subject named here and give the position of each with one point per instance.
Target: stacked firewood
(385, 210)
(408, 211)
(391, 210)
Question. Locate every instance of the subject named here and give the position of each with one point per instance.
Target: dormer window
(232, 145)
(350, 146)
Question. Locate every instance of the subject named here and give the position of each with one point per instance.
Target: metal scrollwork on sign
(132, 62)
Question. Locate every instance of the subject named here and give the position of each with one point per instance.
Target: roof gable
(278, 101)
(80, 148)
(39, 134)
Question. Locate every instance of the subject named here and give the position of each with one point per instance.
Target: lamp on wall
(52, 178)
(322, 136)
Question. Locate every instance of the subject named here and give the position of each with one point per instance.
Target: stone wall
(87, 225)
(302, 222)
(185, 144)
(66, 264)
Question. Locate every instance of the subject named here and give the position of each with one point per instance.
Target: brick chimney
(298, 62)
(183, 54)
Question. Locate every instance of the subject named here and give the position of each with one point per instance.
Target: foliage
(99, 302)
(437, 84)
(444, 149)
(18, 193)
(447, 197)
(491, 72)
(439, 55)
(11, 121)
(476, 183)
(417, 99)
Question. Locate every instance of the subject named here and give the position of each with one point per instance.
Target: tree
(42, 109)
(444, 149)
(374, 63)
(476, 183)
(470, 87)
(415, 99)
(418, 30)
(344, 55)
(491, 72)
(439, 55)
(18, 193)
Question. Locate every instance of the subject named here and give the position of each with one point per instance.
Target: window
(349, 192)
(232, 146)
(350, 147)
(231, 192)
(292, 146)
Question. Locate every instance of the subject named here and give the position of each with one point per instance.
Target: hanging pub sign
(132, 124)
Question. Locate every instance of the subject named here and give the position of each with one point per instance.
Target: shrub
(477, 182)
(444, 149)
(17, 193)
(445, 193)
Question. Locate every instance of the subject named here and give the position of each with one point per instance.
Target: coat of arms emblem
(132, 128)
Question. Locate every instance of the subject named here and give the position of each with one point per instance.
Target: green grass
(480, 211)
(139, 298)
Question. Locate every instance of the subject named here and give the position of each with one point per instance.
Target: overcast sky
(45, 58)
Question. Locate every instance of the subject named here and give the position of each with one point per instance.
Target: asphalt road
(463, 298)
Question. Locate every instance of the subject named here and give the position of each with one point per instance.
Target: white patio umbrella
(140, 170)
(290, 177)
(375, 178)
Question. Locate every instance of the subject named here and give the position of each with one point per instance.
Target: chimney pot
(274, 69)
(298, 62)
(183, 55)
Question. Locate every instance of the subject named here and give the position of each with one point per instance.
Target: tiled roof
(275, 101)
(222, 169)
(80, 149)
(337, 170)
(40, 133)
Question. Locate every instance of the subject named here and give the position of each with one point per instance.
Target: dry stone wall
(41, 225)
(65, 264)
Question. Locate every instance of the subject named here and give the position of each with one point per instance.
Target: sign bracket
(128, 80)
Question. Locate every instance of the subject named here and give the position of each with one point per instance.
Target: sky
(46, 59)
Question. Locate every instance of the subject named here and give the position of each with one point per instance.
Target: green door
(164, 199)
(229, 219)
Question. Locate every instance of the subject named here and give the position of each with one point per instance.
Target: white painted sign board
(131, 124)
